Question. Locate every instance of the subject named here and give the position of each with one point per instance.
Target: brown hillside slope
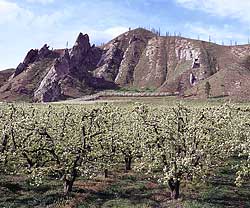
(4, 75)
(138, 59)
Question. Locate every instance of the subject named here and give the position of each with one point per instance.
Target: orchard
(174, 144)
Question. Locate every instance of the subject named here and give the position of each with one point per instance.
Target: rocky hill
(138, 59)
(4, 75)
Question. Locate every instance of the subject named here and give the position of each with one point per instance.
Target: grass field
(126, 190)
(166, 101)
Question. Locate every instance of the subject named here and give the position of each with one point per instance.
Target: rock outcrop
(137, 45)
(35, 55)
(70, 72)
(30, 58)
(138, 59)
(109, 63)
(50, 89)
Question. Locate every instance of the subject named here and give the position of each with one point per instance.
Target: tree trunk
(106, 173)
(175, 188)
(5, 138)
(128, 161)
(68, 182)
(68, 185)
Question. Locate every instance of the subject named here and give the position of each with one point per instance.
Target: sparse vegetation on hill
(137, 59)
(5, 75)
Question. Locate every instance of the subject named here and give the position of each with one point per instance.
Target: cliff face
(138, 59)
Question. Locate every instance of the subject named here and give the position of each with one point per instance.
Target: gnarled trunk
(67, 187)
(175, 188)
(68, 182)
(3, 146)
(128, 161)
(106, 173)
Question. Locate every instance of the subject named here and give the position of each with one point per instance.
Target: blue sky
(26, 24)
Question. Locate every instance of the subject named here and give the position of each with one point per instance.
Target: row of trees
(170, 143)
(179, 34)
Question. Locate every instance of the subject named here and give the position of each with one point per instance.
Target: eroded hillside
(4, 75)
(138, 59)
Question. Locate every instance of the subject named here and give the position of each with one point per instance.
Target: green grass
(134, 89)
(123, 193)
(220, 191)
(128, 191)
(16, 192)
